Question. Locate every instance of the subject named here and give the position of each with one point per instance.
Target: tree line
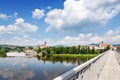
(72, 50)
(3, 51)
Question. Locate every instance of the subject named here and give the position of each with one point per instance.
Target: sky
(59, 22)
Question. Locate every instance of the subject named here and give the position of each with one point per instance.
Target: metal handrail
(74, 73)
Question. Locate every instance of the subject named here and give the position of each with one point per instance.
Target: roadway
(111, 70)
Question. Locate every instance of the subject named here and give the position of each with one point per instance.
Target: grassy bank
(78, 56)
(74, 58)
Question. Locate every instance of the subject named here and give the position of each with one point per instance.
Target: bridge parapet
(89, 70)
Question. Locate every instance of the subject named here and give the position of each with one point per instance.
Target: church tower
(45, 43)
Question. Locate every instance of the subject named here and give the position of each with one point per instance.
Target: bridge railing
(117, 55)
(89, 70)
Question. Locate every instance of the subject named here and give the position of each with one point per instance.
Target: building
(115, 46)
(44, 45)
(93, 46)
(30, 53)
(16, 54)
(103, 45)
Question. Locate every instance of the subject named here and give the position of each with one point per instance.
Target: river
(20, 68)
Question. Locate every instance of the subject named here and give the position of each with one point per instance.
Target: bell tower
(45, 43)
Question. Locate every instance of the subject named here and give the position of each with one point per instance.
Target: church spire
(45, 43)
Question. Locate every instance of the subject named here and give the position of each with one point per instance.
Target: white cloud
(109, 33)
(25, 40)
(20, 26)
(38, 14)
(82, 39)
(14, 15)
(49, 7)
(21, 41)
(111, 36)
(82, 14)
(3, 16)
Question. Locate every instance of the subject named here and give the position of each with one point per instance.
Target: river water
(17, 68)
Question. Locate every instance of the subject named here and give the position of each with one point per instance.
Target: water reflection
(16, 68)
(20, 74)
(62, 59)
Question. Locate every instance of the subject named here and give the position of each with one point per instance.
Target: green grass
(74, 58)
(77, 56)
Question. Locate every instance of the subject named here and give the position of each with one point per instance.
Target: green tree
(30, 47)
(38, 50)
(3, 51)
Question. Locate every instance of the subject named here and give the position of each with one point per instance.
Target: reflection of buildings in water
(21, 74)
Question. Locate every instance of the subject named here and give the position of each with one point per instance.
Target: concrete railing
(89, 70)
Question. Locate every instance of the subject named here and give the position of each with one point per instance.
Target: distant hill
(98, 44)
(60, 46)
(116, 44)
(10, 46)
(94, 44)
(6, 45)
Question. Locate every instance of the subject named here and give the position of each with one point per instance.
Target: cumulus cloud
(15, 15)
(82, 39)
(49, 7)
(111, 36)
(109, 33)
(20, 26)
(38, 14)
(3, 16)
(26, 40)
(82, 14)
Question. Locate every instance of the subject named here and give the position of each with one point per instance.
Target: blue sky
(66, 22)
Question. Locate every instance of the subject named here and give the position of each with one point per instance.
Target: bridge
(105, 66)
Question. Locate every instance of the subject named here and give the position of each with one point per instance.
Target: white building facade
(16, 54)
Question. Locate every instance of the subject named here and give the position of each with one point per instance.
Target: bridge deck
(111, 70)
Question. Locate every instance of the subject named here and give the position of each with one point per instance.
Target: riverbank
(79, 56)
(74, 58)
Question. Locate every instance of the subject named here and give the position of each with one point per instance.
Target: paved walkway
(111, 70)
